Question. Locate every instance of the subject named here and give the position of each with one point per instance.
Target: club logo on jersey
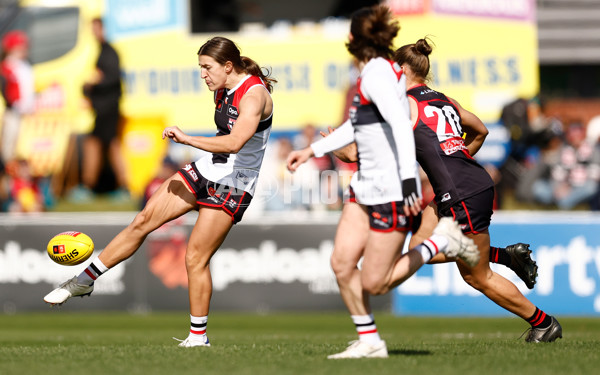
(190, 171)
(401, 221)
(446, 197)
(230, 123)
(352, 114)
(219, 107)
(232, 111)
(58, 249)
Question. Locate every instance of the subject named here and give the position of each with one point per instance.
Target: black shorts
(474, 214)
(390, 216)
(106, 125)
(211, 194)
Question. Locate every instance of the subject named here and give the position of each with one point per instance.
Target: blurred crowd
(554, 161)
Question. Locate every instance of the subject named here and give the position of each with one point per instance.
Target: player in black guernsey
(441, 151)
(219, 185)
(463, 189)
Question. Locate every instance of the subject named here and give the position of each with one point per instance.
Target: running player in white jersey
(385, 185)
(219, 186)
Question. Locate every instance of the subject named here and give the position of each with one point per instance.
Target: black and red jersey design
(441, 151)
(227, 111)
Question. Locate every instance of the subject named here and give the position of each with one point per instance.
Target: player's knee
(195, 259)
(140, 222)
(342, 268)
(375, 286)
(476, 282)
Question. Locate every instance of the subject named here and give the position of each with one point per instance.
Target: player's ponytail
(416, 55)
(251, 67)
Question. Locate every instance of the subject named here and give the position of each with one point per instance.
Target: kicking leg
(170, 201)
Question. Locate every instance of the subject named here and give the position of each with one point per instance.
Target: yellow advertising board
(483, 62)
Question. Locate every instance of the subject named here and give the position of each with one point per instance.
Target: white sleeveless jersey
(238, 170)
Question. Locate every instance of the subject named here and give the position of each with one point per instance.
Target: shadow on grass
(409, 352)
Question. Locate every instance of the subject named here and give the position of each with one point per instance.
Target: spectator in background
(4, 189)
(17, 80)
(103, 90)
(24, 192)
(570, 177)
(593, 136)
(529, 131)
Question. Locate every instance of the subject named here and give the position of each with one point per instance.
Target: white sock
(92, 272)
(366, 328)
(198, 328)
(431, 246)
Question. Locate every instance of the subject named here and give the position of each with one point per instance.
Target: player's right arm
(343, 136)
(475, 129)
(347, 154)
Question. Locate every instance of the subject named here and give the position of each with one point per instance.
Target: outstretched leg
(171, 200)
(544, 327)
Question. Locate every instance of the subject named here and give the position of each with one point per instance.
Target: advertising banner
(281, 263)
(271, 265)
(566, 247)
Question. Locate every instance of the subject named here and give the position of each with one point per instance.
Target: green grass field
(59, 342)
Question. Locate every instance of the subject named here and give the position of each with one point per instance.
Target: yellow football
(70, 248)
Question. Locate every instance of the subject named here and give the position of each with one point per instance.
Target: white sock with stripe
(366, 328)
(92, 272)
(431, 246)
(198, 328)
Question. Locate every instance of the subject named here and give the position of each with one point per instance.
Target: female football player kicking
(219, 186)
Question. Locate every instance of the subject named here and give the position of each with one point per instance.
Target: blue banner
(566, 247)
(124, 18)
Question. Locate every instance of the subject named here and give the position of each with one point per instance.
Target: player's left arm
(251, 108)
(475, 129)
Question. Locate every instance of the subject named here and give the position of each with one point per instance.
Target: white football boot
(66, 290)
(360, 349)
(459, 245)
(190, 342)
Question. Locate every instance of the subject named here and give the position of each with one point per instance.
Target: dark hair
(416, 56)
(373, 31)
(222, 50)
